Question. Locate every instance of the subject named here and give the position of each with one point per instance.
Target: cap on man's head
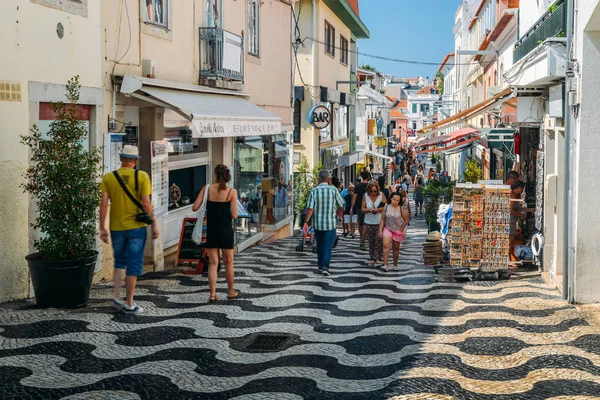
(130, 151)
(323, 175)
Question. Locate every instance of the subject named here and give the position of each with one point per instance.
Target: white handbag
(199, 233)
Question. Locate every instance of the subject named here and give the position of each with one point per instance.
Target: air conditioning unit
(492, 91)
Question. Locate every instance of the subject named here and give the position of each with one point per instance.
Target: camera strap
(127, 192)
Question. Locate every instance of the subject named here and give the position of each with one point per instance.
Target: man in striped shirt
(323, 204)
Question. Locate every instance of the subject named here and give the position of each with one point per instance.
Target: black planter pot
(62, 284)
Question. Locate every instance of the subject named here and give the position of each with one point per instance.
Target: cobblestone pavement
(359, 334)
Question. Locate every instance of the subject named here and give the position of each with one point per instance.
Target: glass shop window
(189, 182)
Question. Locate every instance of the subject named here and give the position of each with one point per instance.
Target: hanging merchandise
(466, 234)
(517, 140)
(480, 229)
(497, 230)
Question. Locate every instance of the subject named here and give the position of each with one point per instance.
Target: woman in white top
(373, 205)
(391, 229)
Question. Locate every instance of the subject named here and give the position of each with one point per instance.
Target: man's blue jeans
(325, 240)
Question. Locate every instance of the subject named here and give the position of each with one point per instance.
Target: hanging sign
(379, 142)
(159, 157)
(371, 127)
(319, 117)
(113, 144)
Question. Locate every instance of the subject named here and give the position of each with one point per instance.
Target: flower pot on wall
(61, 284)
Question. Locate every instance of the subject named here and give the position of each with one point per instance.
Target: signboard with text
(215, 128)
(319, 117)
(159, 159)
(380, 142)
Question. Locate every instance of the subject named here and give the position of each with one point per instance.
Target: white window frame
(166, 10)
(254, 27)
(344, 50)
(329, 39)
(214, 19)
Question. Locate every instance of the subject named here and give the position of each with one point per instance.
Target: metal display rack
(479, 233)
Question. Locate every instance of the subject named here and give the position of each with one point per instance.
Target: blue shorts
(129, 247)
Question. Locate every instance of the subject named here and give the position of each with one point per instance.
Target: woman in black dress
(221, 210)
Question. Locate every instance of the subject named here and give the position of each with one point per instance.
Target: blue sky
(419, 30)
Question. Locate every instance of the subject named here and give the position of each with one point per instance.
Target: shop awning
(348, 160)
(212, 113)
(447, 138)
(502, 139)
(499, 138)
(374, 154)
(469, 113)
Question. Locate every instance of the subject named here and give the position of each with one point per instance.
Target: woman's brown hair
(223, 175)
(372, 185)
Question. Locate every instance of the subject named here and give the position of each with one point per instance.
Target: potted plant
(472, 171)
(436, 193)
(304, 181)
(62, 179)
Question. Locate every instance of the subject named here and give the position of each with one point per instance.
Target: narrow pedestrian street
(359, 334)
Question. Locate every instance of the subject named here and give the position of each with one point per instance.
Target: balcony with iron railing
(551, 24)
(221, 58)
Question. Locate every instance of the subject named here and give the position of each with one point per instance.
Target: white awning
(213, 114)
(374, 154)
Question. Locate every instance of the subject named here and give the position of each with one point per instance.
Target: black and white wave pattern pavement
(359, 334)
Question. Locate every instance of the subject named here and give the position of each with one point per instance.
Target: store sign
(210, 128)
(159, 160)
(319, 117)
(371, 127)
(380, 142)
(297, 156)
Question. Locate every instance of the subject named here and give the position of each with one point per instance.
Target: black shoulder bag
(143, 216)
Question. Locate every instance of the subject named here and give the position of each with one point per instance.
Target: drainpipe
(567, 267)
(314, 76)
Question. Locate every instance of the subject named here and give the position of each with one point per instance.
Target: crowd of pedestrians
(378, 209)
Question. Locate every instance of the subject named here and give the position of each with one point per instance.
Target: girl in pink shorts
(391, 229)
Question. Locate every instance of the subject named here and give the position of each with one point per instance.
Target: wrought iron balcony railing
(221, 54)
(552, 24)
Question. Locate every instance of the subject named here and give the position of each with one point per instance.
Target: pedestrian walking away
(361, 189)
(394, 220)
(350, 211)
(372, 206)
(324, 203)
(418, 197)
(383, 188)
(221, 210)
(128, 191)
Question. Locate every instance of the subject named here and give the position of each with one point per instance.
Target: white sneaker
(396, 268)
(132, 309)
(118, 303)
(385, 268)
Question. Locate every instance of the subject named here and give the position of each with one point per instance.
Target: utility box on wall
(556, 104)
(530, 109)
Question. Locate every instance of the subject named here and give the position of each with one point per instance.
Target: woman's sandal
(233, 296)
(212, 299)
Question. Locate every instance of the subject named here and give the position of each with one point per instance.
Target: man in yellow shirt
(128, 235)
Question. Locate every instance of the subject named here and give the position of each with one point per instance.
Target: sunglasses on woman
(374, 191)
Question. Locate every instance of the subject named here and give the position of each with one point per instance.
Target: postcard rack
(480, 227)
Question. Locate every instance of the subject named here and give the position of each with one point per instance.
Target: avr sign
(320, 117)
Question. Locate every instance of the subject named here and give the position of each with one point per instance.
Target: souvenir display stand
(479, 232)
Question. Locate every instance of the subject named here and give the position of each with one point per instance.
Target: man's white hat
(130, 151)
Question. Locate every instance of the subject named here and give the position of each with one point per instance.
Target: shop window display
(262, 171)
(185, 183)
